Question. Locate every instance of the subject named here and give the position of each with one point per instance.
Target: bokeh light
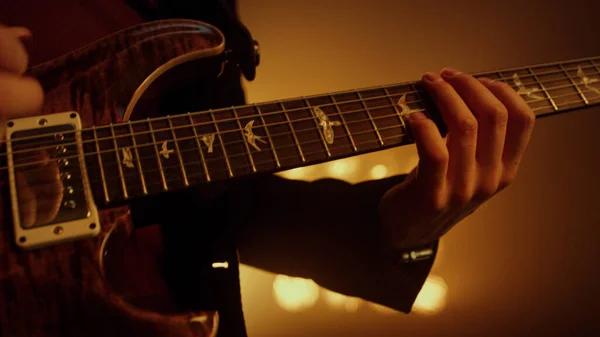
(299, 173)
(409, 163)
(295, 294)
(342, 169)
(340, 301)
(379, 171)
(382, 309)
(432, 297)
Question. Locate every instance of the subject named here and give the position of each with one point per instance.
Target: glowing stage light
(432, 297)
(295, 294)
(297, 173)
(342, 168)
(340, 301)
(382, 309)
(379, 171)
(410, 163)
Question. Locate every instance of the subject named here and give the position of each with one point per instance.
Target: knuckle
(496, 115)
(461, 197)
(486, 191)
(436, 204)
(468, 126)
(523, 116)
(527, 119)
(439, 159)
(507, 179)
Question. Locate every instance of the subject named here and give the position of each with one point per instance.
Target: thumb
(13, 56)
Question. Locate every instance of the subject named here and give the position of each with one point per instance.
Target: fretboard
(168, 153)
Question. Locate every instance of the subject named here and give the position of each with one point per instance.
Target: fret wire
(385, 128)
(314, 118)
(357, 121)
(120, 168)
(314, 152)
(289, 122)
(104, 187)
(137, 156)
(275, 156)
(595, 65)
(349, 91)
(395, 106)
(541, 65)
(376, 97)
(501, 78)
(245, 139)
(207, 174)
(214, 120)
(362, 102)
(419, 99)
(543, 88)
(162, 172)
(537, 110)
(183, 173)
(308, 142)
(337, 108)
(369, 141)
(344, 112)
(583, 97)
(317, 141)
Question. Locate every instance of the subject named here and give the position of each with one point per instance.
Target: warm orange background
(523, 265)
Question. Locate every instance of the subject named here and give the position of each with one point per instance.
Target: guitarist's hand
(489, 126)
(40, 188)
(20, 96)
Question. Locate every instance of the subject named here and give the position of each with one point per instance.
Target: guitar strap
(241, 42)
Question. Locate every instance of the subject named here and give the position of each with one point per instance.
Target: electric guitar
(102, 141)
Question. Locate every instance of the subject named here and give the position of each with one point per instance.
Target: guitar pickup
(50, 194)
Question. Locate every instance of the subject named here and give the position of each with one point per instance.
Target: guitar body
(84, 288)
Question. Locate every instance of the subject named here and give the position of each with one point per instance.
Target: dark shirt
(325, 230)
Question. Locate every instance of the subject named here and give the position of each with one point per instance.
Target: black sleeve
(328, 231)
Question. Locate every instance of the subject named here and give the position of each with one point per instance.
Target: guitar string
(179, 179)
(257, 105)
(311, 129)
(127, 136)
(221, 159)
(271, 150)
(284, 111)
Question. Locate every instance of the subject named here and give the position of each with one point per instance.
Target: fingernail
(449, 72)
(431, 77)
(486, 80)
(415, 116)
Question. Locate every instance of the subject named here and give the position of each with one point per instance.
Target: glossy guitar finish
(70, 289)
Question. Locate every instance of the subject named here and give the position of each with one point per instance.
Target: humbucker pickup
(49, 189)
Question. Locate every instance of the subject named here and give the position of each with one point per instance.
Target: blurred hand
(39, 185)
(20, 96)
(489, 126)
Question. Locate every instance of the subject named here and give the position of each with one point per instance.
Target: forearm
(326, 230)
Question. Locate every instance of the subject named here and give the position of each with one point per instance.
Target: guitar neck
(168, 153)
